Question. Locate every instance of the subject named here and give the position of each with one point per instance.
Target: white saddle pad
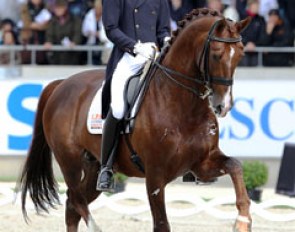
(94, 120)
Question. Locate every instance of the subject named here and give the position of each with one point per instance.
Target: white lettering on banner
(261, 121)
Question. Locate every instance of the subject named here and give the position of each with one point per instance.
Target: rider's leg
(126, 67)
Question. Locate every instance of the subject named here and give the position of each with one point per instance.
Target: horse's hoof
(242, 228)
(242, 224)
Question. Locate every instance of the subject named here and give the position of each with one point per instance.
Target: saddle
(135, 89)
(134, 92)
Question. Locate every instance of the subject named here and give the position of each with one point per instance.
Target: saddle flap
(132, 87)
(135, 83)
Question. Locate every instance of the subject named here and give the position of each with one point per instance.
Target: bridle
(205, 56)
(207, 80)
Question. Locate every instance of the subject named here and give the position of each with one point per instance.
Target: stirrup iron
(105, 182)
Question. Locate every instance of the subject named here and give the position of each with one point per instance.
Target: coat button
(137, 26)
(153, 12)
(135, 10)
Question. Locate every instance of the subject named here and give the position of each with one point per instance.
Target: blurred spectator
(8, 38)
(198, 3)
(266, 6)
(63, 29)
(80, 7)
(253, 34)
(93, 30)
(179, 8)
(89, 4)
(241, 6)
(215, 5)
(50, 5)
(228, 12)
(33, 23)
(278, 34)
(76, 7)
(288, 8)
(10, 9)
(7, 25)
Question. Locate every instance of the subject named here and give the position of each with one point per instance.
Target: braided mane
(190, 17)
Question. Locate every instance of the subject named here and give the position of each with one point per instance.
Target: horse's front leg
(156, 196)
(217, 165)
(243, 221)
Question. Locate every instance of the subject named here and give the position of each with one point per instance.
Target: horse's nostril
(218, 109)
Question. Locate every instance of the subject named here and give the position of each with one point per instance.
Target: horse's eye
(217, 57)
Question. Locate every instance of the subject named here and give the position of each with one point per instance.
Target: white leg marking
(243, 219)
(92, 227)
(156, 192)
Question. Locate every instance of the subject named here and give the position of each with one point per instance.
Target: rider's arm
(111, 16)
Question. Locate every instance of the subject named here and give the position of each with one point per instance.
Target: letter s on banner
(242, 119)
(22, 114)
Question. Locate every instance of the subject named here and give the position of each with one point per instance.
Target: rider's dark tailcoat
(127, 22)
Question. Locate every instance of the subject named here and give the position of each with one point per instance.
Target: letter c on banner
(265, 115)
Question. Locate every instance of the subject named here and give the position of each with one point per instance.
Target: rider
(136, 28)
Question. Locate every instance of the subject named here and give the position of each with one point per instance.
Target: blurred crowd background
(78, 22)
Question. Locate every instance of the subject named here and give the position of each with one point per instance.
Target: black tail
(37, 175)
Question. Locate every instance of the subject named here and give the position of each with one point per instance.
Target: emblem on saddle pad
(96, 121)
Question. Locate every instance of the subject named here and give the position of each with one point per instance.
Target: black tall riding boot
(110, 134)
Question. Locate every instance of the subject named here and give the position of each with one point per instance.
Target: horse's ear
(243, 24)
(221, 25)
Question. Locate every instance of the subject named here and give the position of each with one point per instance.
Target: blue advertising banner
(261, 121)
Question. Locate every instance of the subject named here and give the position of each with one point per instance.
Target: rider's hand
(146, 50)
(166, 42)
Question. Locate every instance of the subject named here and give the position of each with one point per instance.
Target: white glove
(167, 39)
(146, 50)
(166, 42)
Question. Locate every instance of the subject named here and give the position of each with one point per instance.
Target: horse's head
(210, 48)
(222, 52)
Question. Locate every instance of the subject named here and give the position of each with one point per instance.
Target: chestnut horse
(175, 132)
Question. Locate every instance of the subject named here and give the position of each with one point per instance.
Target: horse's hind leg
(88, 186)
(80, 177)
(217, 165)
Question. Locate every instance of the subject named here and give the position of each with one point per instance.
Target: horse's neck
(169, 98)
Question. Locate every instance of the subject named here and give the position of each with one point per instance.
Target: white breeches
(127, 66)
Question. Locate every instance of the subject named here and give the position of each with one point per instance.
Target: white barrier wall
(261, 121)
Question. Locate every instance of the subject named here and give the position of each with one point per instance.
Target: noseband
(207, 79)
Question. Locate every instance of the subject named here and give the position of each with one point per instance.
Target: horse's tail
(37, 175)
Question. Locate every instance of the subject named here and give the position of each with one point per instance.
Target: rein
(169, 72)
(205, 56)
